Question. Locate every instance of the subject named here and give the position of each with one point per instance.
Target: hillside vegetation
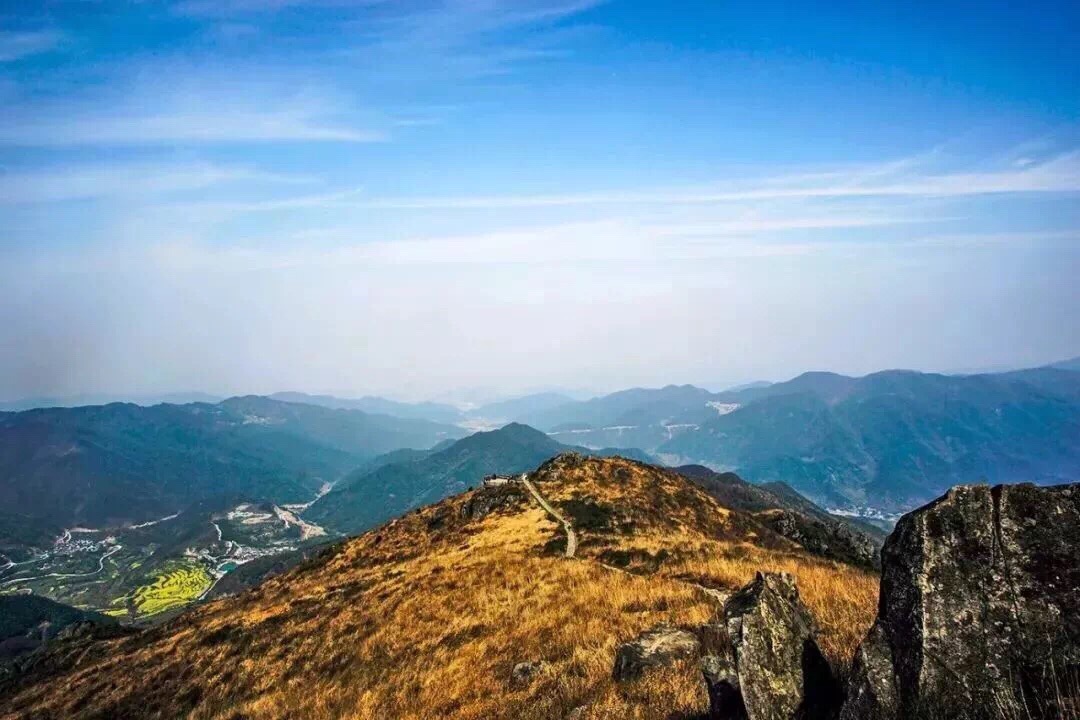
(121, 463)
(403, 480)
(895, 439)
(890, 440)
(428, 615)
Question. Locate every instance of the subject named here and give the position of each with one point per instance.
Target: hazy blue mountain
(434, 412)
(895, 439)
(648, 418)
(177, 398)
(755, 385)
(122, 463)
(618, 436)
(356, 432)
(521, 407)
(364, 499)
(401, 455)
(827, 386)
(1070, 364)
(367, 497)
(674, 404)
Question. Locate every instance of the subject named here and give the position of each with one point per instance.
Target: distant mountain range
(1070, 364)
(435, 412)
(178, 398)
(888, 441)
(892, 440)
(503, 410)
(871, 446)
(380, 491)
(124, 463)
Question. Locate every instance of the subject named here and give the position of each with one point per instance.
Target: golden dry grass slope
(426, 616)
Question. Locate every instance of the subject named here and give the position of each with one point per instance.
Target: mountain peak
(516, 433)
(517, 429)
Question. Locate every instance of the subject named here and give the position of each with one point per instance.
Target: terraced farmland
(177, 586)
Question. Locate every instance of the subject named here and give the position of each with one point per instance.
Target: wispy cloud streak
(229, 125)
(1060, 174)
(19, 45)
(137, 179)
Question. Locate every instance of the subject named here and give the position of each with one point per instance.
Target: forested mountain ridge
(124, 463)
(372, 495)
(897, 438)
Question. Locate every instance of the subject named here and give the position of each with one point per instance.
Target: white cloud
(463, 40)
(18, 45)
(568, 247)
(83, 181)
(226, 125)
(778, 196)
(1060, 174)
(287, 93)
(228, 8)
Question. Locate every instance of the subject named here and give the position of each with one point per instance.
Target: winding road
(101, 566)
(571, 536)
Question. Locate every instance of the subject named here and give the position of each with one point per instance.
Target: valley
(149, 571)
(259, 479)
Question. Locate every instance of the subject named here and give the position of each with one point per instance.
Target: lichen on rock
(979, 614)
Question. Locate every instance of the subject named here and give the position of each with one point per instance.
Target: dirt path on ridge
(571, 536)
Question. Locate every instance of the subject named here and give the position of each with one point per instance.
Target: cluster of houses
(494, 480)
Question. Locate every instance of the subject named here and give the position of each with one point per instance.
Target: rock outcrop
(759, 657)
(722, 681)
(790, 515)
(660, 646)
(979, 614)
(781, 673)
(496, 498)
(524, 672)
(829, 538)
(871, 692)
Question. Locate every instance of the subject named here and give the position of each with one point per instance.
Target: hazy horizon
(464, 397)
(412, 198)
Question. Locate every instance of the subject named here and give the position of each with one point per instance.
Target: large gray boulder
(979, 614)
(780, 672)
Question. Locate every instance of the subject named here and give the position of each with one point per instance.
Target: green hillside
(895, 439)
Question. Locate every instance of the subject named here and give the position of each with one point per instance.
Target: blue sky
(412, 197)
